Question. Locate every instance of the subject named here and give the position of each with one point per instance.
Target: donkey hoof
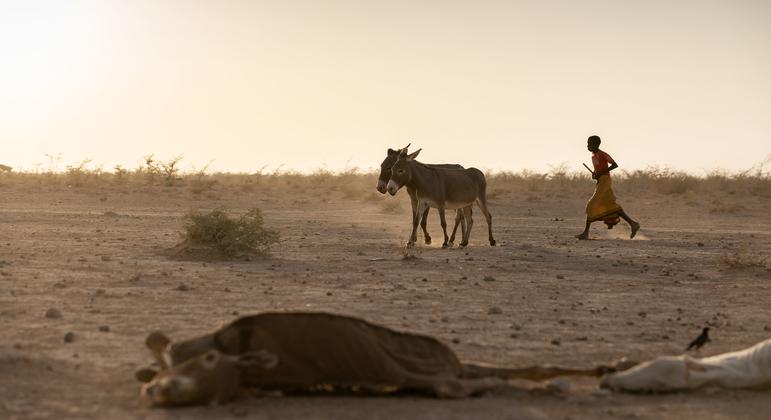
(428, 240)
(492, 242)
(410, 244)
(446, 245)
(463, 244)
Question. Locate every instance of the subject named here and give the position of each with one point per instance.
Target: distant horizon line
(762, 168)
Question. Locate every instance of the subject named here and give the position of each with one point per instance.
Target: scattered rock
(106, 258)
(69, 337)
(53, 313)
(182, 287)
(560, 277)
(104, 328)
(494, 311)
(556, 342)
(559, 385)
(489, 278)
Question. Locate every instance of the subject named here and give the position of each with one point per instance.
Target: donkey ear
(392, 152)
(414, 154)
(403, 153)
(158, 342)
(258, 359)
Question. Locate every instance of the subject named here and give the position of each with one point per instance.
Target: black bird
(700, 340)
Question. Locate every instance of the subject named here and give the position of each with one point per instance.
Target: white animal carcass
(748, 368)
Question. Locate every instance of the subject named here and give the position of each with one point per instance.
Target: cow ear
(414, 154)
(258, 359)
(158, 342)
(145, 375)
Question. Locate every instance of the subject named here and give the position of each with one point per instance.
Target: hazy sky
(307, 84)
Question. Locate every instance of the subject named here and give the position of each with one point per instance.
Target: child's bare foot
(584, 236)
(635, 228)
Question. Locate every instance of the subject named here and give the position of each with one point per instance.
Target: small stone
(767, 328)
(494, 311)
(69, 337)
(104, 328)
(456, 340)
(329, 293)
(560, 277)
(556, 342)
(489, 278)
(183, 287)
(53, 313)
(559, 385)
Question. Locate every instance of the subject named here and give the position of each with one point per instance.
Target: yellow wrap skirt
(602, 205)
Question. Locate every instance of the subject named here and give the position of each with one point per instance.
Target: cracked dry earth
(93, 263)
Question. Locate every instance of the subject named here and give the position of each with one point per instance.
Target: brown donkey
(442, 188)
(385, 176)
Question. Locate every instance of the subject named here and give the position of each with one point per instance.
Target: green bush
(229, 236)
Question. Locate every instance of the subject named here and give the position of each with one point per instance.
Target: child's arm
(613, 165)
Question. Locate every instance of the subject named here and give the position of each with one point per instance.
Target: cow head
(212, 376)
(401, 173)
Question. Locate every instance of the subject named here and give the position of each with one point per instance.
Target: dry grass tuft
(226, 236)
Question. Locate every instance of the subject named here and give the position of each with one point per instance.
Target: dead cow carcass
(748, 368)
(302, 352)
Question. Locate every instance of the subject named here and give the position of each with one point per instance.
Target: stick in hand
(588, 169)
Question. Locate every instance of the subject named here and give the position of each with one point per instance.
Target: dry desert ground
(92, 258)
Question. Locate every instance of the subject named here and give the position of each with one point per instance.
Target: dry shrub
(227, 236)
(743, 258)
(719, 206)
(662, 180)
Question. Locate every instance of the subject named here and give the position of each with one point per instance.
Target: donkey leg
(482, 203)
(444, 226)
(458, 220)
(423, 225)
(469, 224)
(414, 204)
(421, 209)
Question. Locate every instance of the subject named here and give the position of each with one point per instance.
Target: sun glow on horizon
(500, 85)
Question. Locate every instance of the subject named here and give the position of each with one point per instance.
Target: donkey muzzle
(392, 187)
(381, 187)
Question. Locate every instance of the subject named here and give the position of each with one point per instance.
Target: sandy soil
(99, 258)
